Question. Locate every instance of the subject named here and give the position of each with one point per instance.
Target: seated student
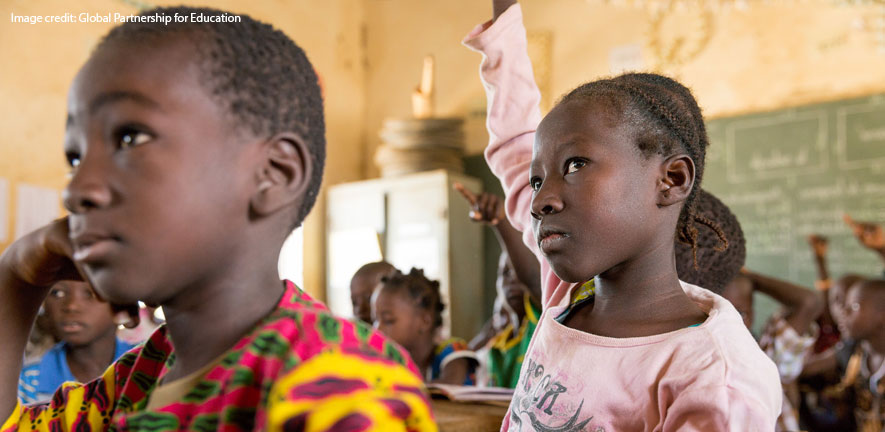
(865, 375)
(195, 148)
(88, 344)
(408, 309)
(789, 335)
(601, 188)
(503, 341)
(363, 284)
(502, 353)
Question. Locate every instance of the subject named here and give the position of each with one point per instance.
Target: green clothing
(506, 351)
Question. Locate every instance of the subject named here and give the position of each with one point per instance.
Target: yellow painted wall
(369, 53)
(762, 57)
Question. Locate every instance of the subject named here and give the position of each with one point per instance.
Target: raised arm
(488, 209)
(803, 305)
(27, 269)
(818, 245)
(513, 116)
(870, 235)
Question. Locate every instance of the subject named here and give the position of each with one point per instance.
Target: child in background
(605, 184)
(195, 148)
(363, 284)
(506, 350)
(88, 344)
(408, 309)
(865, 323)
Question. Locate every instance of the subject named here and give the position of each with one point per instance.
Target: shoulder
(304, 327)
(737, 365)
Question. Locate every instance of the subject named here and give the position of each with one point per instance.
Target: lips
(71, 326)
(91, 246)
(550, 238)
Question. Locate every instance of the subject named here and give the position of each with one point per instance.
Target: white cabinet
(417, 220)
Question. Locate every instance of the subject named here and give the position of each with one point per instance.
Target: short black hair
(258, 74)
(665, 119)
(423, 291)
(720, 249)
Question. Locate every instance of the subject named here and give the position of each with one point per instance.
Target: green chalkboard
(793, 172)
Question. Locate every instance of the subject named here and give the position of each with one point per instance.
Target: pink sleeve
(513, 116)
(718, 408)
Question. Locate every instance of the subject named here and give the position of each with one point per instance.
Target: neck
(89, 361)
(651, 277)
(208, 318)
(422, 354)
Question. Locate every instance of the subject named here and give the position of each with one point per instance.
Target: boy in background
(363, 284)
(86, 327)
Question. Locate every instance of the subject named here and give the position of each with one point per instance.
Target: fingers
(855, 226)
(467, 194)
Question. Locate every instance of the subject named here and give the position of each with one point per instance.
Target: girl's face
(397, 316)
(595, 195)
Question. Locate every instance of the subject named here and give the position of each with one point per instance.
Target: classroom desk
(467, 417)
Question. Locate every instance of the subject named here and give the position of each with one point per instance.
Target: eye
(73, 159)
(535, 183)
(57, 293)
(128, 136)
(573, 165)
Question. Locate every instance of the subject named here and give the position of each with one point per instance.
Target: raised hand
(818, 244)
(484, 207)
(869, 234)
(500, 6)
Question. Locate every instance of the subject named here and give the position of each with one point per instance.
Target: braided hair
(666, 120)
(254, 71)
(423, 291)
(720, 247)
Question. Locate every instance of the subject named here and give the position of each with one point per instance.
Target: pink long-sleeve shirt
(710, 377)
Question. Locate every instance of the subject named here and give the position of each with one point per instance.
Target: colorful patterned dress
(300, 369)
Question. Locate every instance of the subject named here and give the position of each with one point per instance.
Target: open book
(497, 395)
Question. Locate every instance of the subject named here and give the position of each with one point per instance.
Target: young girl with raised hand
(601, 191)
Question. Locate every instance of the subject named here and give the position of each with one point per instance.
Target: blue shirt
(40, 379)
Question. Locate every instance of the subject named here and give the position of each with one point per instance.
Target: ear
(283, 174)
(676, 180)
(426, 321)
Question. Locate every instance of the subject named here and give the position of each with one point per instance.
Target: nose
(88, 188)
(546, 201)
(72, 303)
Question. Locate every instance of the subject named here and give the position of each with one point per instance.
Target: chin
(569, 272)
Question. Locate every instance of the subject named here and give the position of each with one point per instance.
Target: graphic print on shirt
(535, 400)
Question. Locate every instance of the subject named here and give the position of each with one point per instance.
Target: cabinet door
(355, 226)
(416, 234)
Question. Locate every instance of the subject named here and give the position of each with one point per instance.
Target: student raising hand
(485, 207)
(869, 234)
(488, 208)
